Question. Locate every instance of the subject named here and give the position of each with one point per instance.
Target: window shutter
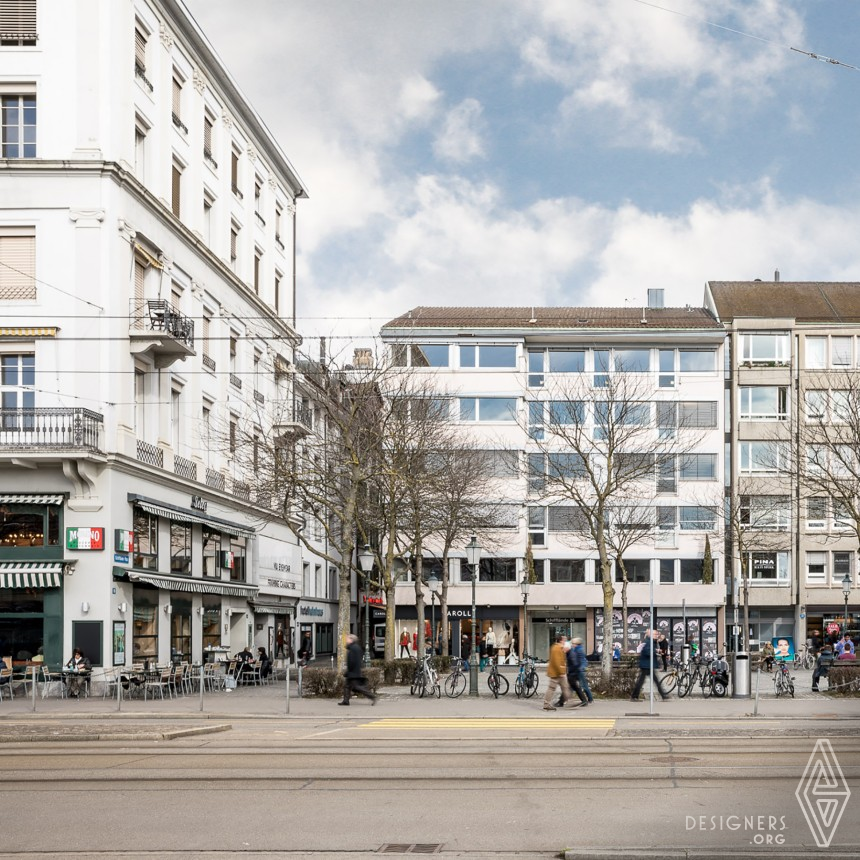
(177, 183)
(18, 21)
(206, 321)
(140, 49)
(699, 414)
(233, 239)
(234, 169)
(17, 267)
(177, 98)
(207, 135)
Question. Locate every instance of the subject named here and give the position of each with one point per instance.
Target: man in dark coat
(645, 667)
(354, 681)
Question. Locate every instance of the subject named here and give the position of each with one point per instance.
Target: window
(18, 126)
(764, 403)
(841, 351)
(697, 360)
(816, 568)
(429, 354)
(765, 512)
(566, 412)
(278, 277)
(537, 525)
(566, 570)
(536, 363)
(258, 262)
(841, 566)
(767, 348)
(258, 198)
(667, 368)
(816, 405)
(562, 466)
(667, 420)
(488, 408)
(667, 571)
(497, 570)
(180, 548)
(140, 132)
(566, 361)
(279, 213)
(601, 368)
(145, 540)
(234, 172)
(17, 264)
(140, 42)
(537, 473)
(816, 352)
(234, 430)
(698, 414)
(697, 518)
(234, 246)
(842, 517)
(211, 549)
(667, 518)
(176, 114)
(763, 457)
(638, 570)
(18, 22)
(692, 569)
(488, 356)
(843, 406)
(502, 464)
(536, 420)
(666, 480)
(816, 512)
(567, 518)
(698, 467)
(632, 360)
(238, 549)
(208, 125)
(176, 190)
(211, 623)
(28, 526)
(768, 567)
(17, 381)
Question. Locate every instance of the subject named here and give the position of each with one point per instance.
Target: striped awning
(31, 574)
(183, 583)
(31, 499)
(28, 331)
(183, 516)
(274, 608)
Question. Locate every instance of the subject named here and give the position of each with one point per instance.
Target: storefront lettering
(281, 583)
(459, 613)
(198, 503)
(311, 610)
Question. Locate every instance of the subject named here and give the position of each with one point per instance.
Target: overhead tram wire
(821, 57)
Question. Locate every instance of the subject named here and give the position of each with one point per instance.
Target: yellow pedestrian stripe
(487, 723)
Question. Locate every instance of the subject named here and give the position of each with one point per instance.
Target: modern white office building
(504, 372)
(147, 322)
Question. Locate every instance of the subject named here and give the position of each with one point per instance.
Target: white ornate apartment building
(147, 315)
(499, 369)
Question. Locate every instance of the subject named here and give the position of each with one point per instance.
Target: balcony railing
(234, 380)
(207, 156)
(140, 72)
(294, 420)
(242, 490)
(157, 327)
(215, 479)
(178, 123)
(152, 455)
(51, 428)
(208, 362)
(185, 468)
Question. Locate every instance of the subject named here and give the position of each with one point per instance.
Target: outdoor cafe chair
(52, 679)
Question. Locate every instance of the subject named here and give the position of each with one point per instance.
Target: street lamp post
(846, 590)
(365, 560)
(473, 556)
(433, 584)
(525, 585)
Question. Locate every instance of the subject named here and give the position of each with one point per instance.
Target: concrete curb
(143, 735)
(705, 853)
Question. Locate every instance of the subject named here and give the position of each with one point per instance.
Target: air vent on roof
(583, 321)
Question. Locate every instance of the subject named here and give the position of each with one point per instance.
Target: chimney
(362, 357)
(776, 276)
(655, 298)
(322, 351)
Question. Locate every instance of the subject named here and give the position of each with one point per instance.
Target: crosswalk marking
(485, 723)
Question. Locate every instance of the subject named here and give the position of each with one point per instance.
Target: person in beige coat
(556, 672)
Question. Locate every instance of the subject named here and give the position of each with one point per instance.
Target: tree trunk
(419, 603)
(608, 601)
(390, 630)
(443, 606)
(624, 638)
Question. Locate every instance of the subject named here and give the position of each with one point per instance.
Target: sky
(563, 152)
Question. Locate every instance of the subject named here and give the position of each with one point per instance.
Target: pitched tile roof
(804, 301)
(553, 318)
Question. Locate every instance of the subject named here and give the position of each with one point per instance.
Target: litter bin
(741, 675)
(685, 654)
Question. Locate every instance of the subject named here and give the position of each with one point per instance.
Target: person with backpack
(822, 666)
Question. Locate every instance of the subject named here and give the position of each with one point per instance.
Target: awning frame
(186, 583)
(186, 515)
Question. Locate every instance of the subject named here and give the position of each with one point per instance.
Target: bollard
(757, 676)
(119, 690)
(299, 673)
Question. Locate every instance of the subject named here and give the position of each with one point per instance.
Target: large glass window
(816, 352)
(211, 621)
(430, 354)
(697, 518)
(566, 361)
(498, 570)
(768, 348)
(765, 512)
(697, 360)
(698, 467)
(638, 570)
(566, 570)
(667, 571)
(840, 351)
(180, 548)
(17, 381)
(536, 368)
(503, 464)
(497, 356)
(692, 569)
(488, 408)
(180, 627)
(768, 566)
(144, 642)
(816, 568)
(566, 412)
(632, 360)
(211, 548)
(29, 525)
(762, 457)
(565, 465)
(145, 540)
(567, 518)
(764, 403)
(238, 548)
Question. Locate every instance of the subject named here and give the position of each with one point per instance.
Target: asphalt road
(388, 785)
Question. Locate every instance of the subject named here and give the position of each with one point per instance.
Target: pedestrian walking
(572, 661)
(279, 642)
(556, 672)
(582, 664)
(404, 644)
(354, 680)
(305, 650)
(663, 650)
(482, 653)
(645, 667)
(822, 667)
(465, 650)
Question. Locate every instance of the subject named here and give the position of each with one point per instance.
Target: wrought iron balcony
(158, 328)
(293, 420)
(51, 429)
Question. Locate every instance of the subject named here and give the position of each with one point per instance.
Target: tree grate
(411, 848)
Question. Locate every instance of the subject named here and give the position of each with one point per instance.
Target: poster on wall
(119, 643)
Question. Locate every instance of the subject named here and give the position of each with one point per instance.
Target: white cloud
(459, 139)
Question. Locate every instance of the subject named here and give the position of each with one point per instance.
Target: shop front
(545, 626)
(280, 584)
(831, 623)
(317, 623)
(696, 626)
(504, 622)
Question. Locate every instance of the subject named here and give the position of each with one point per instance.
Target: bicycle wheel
(519, 688)
(493, 684)
(707, 686)
(422, 686)
(531, 683)
(437, 689)
(416, 683)
(504, 685)
(455, 685)
(683, 685)
(670, 681)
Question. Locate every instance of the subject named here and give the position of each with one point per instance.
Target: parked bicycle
(527, 680)
(783, 682)
(673, 675)
(804, 658)
(425, 679)
(497, 682)
(455, 683)
(690, 675)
